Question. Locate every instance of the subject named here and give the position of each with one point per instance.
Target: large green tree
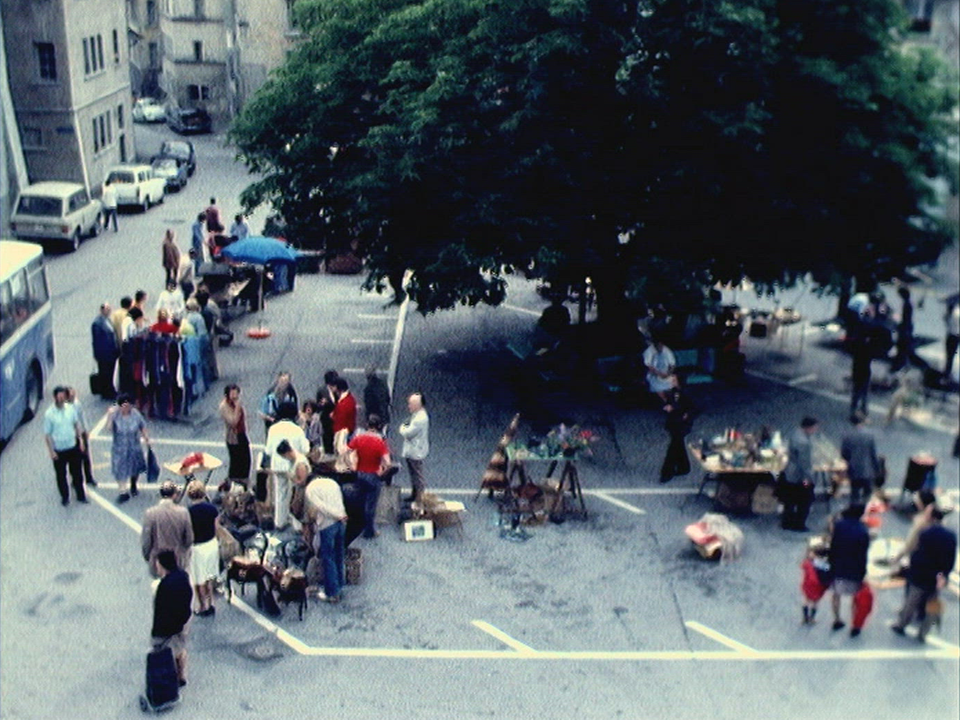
(646, 144)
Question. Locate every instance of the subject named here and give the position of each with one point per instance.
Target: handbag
(95, 386)
(153, 467)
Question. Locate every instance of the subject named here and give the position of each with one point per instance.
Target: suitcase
(163, 685)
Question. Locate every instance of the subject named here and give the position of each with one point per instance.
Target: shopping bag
(862, 605)
(153, 467)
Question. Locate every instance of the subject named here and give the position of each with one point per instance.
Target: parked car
(136, 185)
(189, 120)
(58, 211)
(181, 150)
(148, 110)
(171, 170)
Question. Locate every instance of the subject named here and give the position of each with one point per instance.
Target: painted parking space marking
(720, 638)
(108, 506)
(525, 311)
(503, 637)
(614, 501)
(520, 651)
(371, 316)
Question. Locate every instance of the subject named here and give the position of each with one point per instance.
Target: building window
(198, 92)
(102, 132)
(120, 116)
(154, 53)
(291, 18)
(198, 51)
(198, 8)
(151, 13)
(31, 137)
(116, 48)
(46, 60)
(93, 54)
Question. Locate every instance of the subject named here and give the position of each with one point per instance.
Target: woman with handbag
(126, 457)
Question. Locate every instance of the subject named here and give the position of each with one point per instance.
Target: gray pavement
(614, 616)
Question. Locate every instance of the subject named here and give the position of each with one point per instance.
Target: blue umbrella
(259, 250)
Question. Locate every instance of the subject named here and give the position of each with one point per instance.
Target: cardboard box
(417, 530)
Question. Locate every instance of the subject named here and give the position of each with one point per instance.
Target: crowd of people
(314, 446)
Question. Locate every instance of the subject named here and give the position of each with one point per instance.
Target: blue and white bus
(26, 333)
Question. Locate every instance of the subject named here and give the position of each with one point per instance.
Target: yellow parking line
(521, 651)
(109, 507)
(614, 501)
(504, 638)
(720, 638)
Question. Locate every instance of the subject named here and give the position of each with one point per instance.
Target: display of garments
(164, 373)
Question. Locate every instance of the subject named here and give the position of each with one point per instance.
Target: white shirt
(293, 434)
(324, 499)
(416, 436)
(662, 361)
(239, 230)
(172, 302)
(109, 197)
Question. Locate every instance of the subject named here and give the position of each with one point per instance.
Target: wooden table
(518, 457)
(210, 463)
(736, 486)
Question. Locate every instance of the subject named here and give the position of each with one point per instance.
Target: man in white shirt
(109, 201)
(171, 300)
(240, 229)
(416, 441)
(324, 501)
(660, 364)
(285, 428)
(299, 470)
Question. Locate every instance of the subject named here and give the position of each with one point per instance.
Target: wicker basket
(354, 563)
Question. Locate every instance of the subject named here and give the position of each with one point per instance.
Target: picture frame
(418, 530)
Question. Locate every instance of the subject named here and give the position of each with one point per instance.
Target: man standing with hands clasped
(416, 441)
(106, 350)
(796, 481)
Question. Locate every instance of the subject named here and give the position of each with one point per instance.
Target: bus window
(19, 298)
(7, 324)
(37, 282)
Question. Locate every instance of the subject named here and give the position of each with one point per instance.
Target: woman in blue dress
(126, 456)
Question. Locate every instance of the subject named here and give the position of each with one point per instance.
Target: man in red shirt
(372, 458)
(345, 413)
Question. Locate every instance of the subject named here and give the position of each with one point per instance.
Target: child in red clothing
(816, 578)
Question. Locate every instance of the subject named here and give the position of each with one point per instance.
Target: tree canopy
(649, 144)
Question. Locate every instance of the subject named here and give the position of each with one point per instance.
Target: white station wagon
(56, 211)
(136, 185)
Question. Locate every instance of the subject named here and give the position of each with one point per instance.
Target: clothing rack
(166, 374)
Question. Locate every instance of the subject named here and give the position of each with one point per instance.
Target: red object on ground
(862, 605)
(258, 333)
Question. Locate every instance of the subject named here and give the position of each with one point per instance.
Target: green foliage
(468, 139)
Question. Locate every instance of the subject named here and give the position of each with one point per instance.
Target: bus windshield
(26, 333)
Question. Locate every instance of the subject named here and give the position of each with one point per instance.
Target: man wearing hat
(796, 482)
(166, 526)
